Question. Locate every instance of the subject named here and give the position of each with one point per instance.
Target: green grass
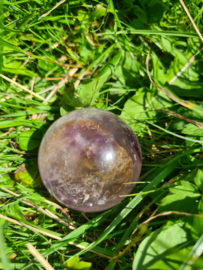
(95, 52)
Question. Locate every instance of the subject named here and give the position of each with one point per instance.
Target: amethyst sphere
(86, 157)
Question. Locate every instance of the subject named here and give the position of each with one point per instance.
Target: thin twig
(30, 227)
(22, 87)
(50, 79)
(4, 134)
(80, 78)
(186, 104)
(191, 20)
(43, 91)
(176, 76)
(46, 14)
(72, 71)
(55, 45)
(200, 36)
(46, 90)
(186, 66)
(60, 84)
(55, 89)
(167, 213)
(39, 257)
(193, 58)
(199, 125)
(10, 192)
(62, 210)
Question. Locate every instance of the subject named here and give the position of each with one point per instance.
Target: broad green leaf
(83, 15)
(165, 248)
(142, 107)
(15, 211)
(185, 187)
(15, 67)
(127, 71)
(143, 3)
(187, 84)
(99, 12)
(88, 90)
(194, 255)
(194, 224)
(181, 198)
(86, 51)
(63, 111)
(8, 45)
(166, 44)
(75, 263)
(30, 139)
(199, 180)
(44, 66)
(3, 256)
(155, 13)
(192, 130)
(24, 21)
(5, 179)
(140, 14)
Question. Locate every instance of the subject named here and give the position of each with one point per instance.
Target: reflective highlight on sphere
(86, 157)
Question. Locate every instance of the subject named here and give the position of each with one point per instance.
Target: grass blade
(3, 256)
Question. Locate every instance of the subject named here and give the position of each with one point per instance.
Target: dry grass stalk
(182, 102)
(191, 20)
(61, 83)
(199, 125)
(22, 87)
(58, 4)
(39, 257)
(167, 213)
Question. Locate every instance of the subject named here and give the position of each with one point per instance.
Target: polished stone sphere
(86, 157)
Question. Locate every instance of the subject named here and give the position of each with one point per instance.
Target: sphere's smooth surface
(85, 158)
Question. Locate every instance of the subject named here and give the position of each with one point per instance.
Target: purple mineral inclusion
(86, 157)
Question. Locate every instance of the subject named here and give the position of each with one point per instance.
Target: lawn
(139, 59)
